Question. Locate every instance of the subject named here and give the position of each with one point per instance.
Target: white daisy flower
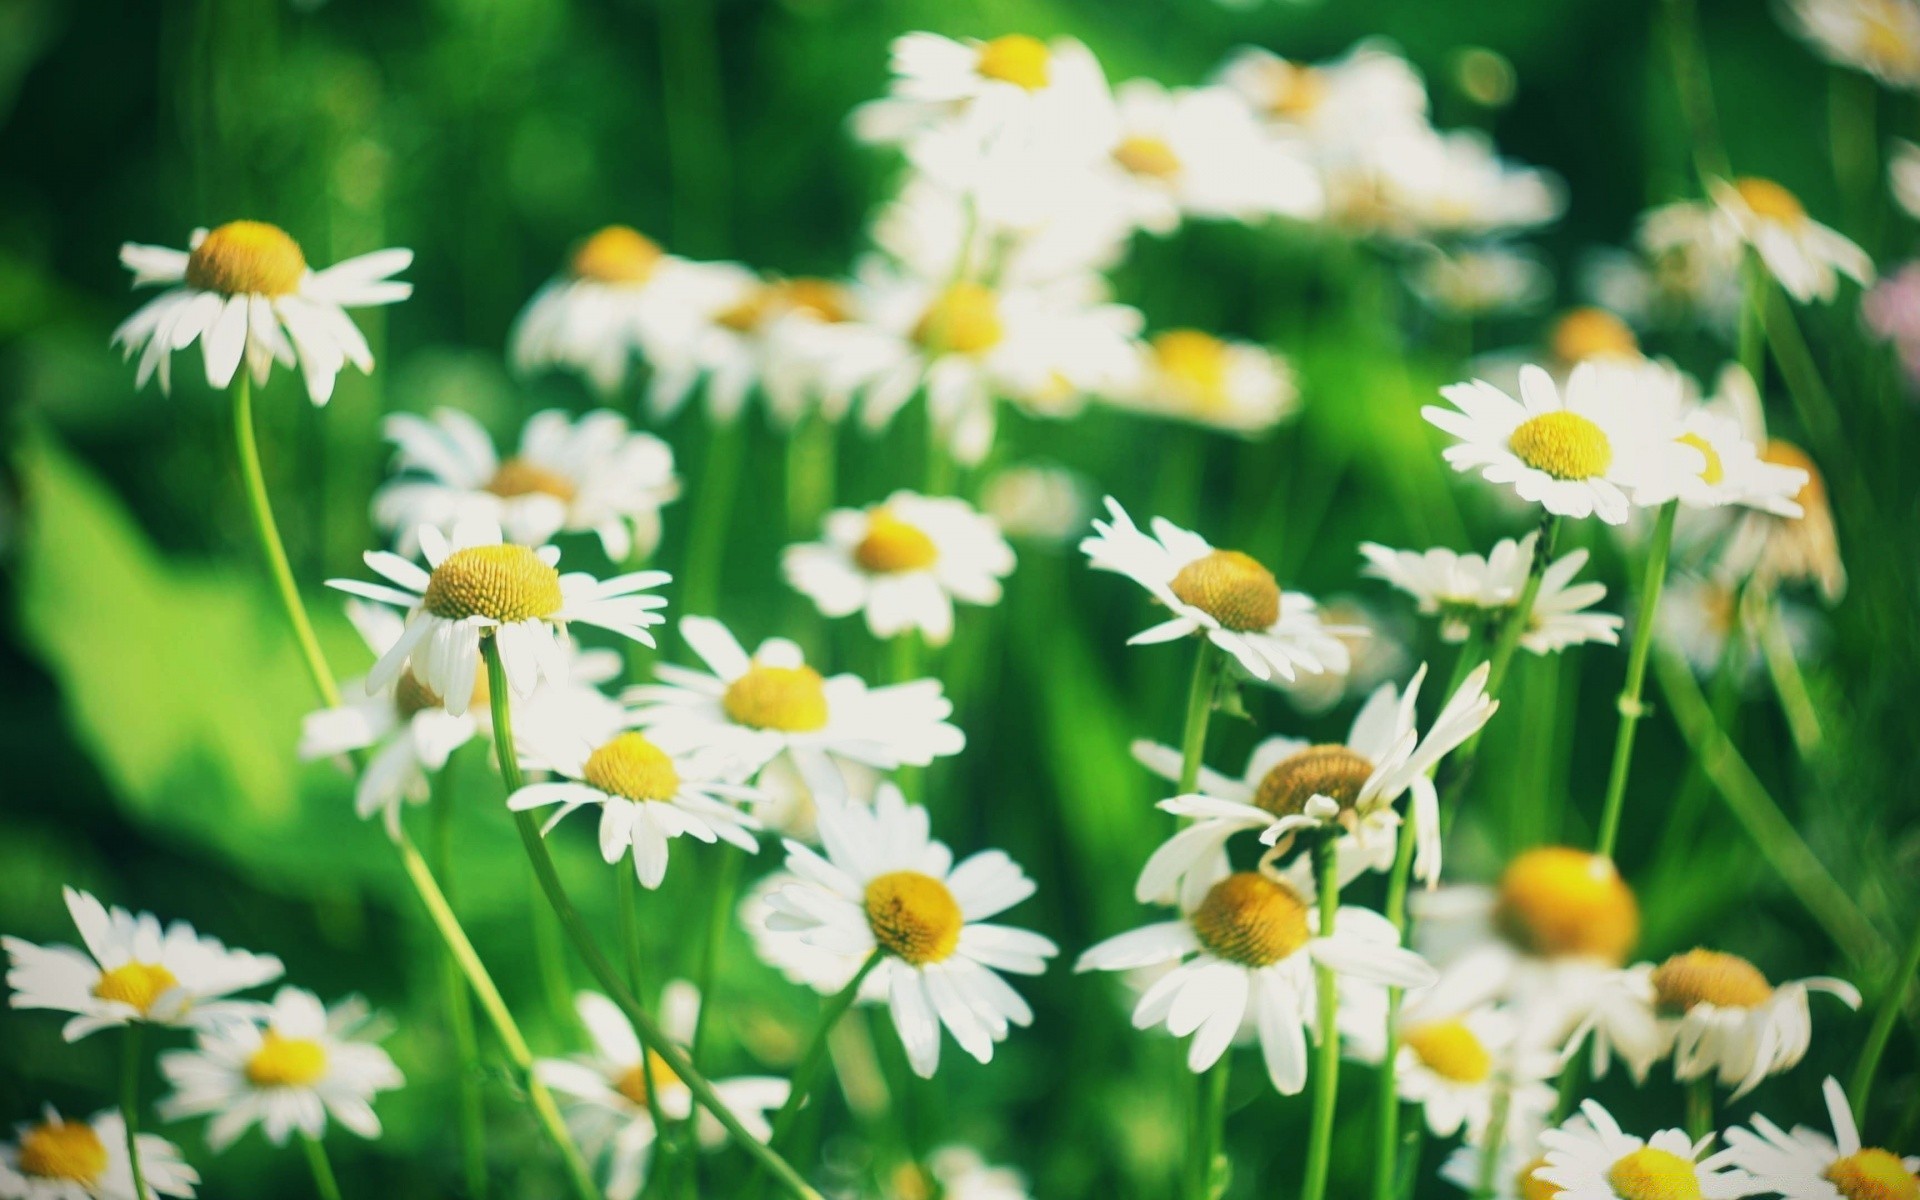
(1616, 1010)
(755, 709)
(1880, 37)
(903, 562)
(1513, 1175)
(962, 1174)
(133, 970)
(58, 1159)
(303, 1063)
(479, 585)
(1478, 281)
(1468, 590)
(1457, 1066)
(1591, 1159)
(1728, 1020)
(1246, 953)
(1012, 81)
(607, 1092)
(1038, 501)
(824, 969)
(1334, 106)
(1809, 1165)
(245, 291)
(1805, 256)
(1455, 184)
(1222, 595)
(1694, 256)
(1193, 376)
(885, 885)
(591, 475)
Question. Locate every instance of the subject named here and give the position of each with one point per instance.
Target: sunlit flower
(1809, 1165)
(591, 475)
(1468, 591)
(1805, 256)
(301, 1064)
(886, 886)
(1010, 81)
(1731, 1022)
(58, 1159)
(244, 290)
(1480, 280)
(1589, 1158)
(1457, 1067)
(1193, 376)
(133, 970)
(1880, 37)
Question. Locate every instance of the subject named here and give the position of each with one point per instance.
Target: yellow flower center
(137, 985)
(1564, 444)
(1196, 363)
(68, 1150)
(654, 1075)
(1333, 771)
(287, 1062)
(632, 767)
(1297, 91)
(1250, 919)
(1558, 901)
(1886, 42)
(1650, 1174)
(1450, 1050)
(1715, 470)
(1769, 200)
(1231, 588)
(789, 699)
(1149, 156)
(892, 545)
(1709, 977)
(913, 916)
(1017, 59)
(247, 258)
(503, 583)
(617, 254)
(1813, 492)
(1585, 333)
(965, 319)
(410, 696)
(518, 477)
(822, 299)
(1873, 1175)
(1531, 1186)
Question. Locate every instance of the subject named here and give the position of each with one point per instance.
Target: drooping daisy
(607, 1092)
(479, 585)
(1728, 1020)
(1010, 81)
(1592, 1159)
(886, 886)
(1809, 1165)
(1193, 376)
(1805, 256)
(591, 475)
(1457, 1066)
(301, 1064)
(1467, 591)
(58, 1159)
(1221, 595)
(1880, 37)
(133, 970)
(1771, 548)
(245, 291)
(755, 708)
(903, 562)
(1246, 953)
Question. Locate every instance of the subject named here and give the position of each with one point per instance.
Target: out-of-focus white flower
(1770, 548)
(964, 1175)
(58, 1159)
(1454, 184)
(1480, 280)
(1457, 1067)
(1694, 255)
(1371, 92)
(1376, 652)
(1193, 376)
(1729, 1021)
(1038, 501)
(1805, 256)
(1880, 37)
(1012, 81)
(1467, 590)
(1809, 1165)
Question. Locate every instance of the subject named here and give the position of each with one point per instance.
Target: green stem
(726, 888)
(323, 1180)
(1789, 684)
(130, 1108)
(1700, 1107)
(472, 1104)
(1860, 1087)
(1515, 626)
(625, 900)
(1326, 1083)
(811, 457)
(1631, 710)
(1811, 399)
(806, 1075)
(713, 510)
(1494, 1139)
(1200, 694)
(1212, 1130)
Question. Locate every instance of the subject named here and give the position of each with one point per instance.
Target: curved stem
(1860, 1087)
(323, 1180)
(1631, 709)
(130, 1108)
(806, 1073)
(1326, 1082)
(1200, 692)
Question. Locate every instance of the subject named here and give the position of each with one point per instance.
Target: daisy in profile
(1192, 376)
(299, 1065)
(1245, 955)
(57, 1159)
(1805, 256)
(479, 585)
(1729, 1021)
(610, 1093)
(1222, 595)
(244, 291)
(1770, 547)
(1011, 81)
(591, 475)
(903, 562)
(753, 709)
(1468, 591)
(1456, 1066)
(1880, 37)
(133, 970)
(886, 887)
(1809, 1165)
(1590, 1158)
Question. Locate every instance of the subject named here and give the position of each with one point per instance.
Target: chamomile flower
(1012, 81)
(1466, 591)
(903, 562)
(1245, 953)
(591, 475)
(1771, 548)
(1454, 184)
(1735, 472)
(133, 970)
(610, 1093)
(244, 291)
(1592, 1159)
(886, 887)
(1880, 37)
(1193, 376)
(1805, 256)
(1222, 595)
(1334, 106)
(58, 1159)
(1456, 1066)
(1729, 1021)
(1809, 1165)
(479, 585)
(301, 1064)
(824, 969)
(753, 709)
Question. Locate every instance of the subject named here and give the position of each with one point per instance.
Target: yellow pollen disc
(748, 315)
(136, 984)
(68, 1150)
(287, 1062)
(1530, 1186)
(1558, 901)
(1649, 1174)
(821, 299)
(1196, 362)
(518, 477)
(1231, 588)
(1149, 156)
(1873, 1175)
(790, 699)
(655, 1076)
(247, 258)
(1017, 59)
(617, 254)
(1564, 444)
(1333, 771)
(504, 583)
(632, 767)
(892, 545)
(1298, 91)
(410, 696)
(1715, 470)
(1585, 333)
(1769, 200)
(1885, 43)
(913, 916)
(1252, 920)
(1812, 493)
(965, 319)
(1450, 1050)
(1709, 977)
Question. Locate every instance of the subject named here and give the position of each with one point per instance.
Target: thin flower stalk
(130, 1107)
(806, 1074)
(1860, 1087)
(323, 1179)
(707, 536)
(1326, 1086)
(459, 1011)
(1631, 709)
